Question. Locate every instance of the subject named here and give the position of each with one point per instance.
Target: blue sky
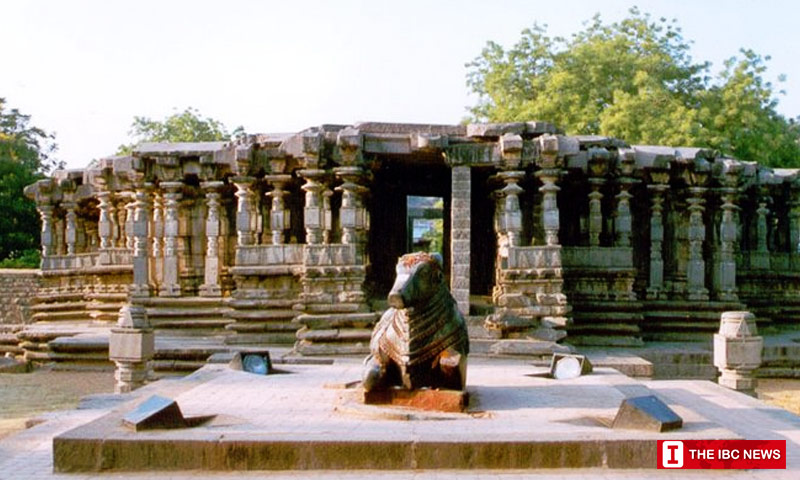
(84, 69)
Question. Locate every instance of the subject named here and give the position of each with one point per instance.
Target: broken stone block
(646, 413)
(154, 413)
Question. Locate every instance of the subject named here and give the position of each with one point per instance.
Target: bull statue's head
(419, 276)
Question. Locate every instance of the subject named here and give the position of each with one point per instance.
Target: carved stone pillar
(244, 210)
(352, 214)
(313, 213)
(48, 239)
(460, 235)
(597, 168)
(141, 255)
(623, 221)
(113, 220)
(158, 238)
(70, 227)
(595, 211)
(279, 215)
(550, 214)
(727, 238)
(104, 219)
(211, 286)
(696, 269)
(656, 284)
(172, 195)
(327, 214)
(127, 220)
(762, 230)
(512, 215)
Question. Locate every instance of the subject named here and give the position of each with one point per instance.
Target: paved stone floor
(28, 454)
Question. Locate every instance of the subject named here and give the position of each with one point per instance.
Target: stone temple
(293, 238)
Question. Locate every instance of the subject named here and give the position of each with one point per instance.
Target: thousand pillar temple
(293, 238)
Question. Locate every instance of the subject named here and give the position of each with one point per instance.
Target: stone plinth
(131, 347)
(737, 351)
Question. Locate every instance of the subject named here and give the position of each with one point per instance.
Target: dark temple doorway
(398, 183)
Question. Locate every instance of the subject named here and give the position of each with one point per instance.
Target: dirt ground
(23, 396)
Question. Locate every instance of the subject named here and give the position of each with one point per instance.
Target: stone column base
(739, 380)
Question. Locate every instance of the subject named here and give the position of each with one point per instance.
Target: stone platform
(307, 419)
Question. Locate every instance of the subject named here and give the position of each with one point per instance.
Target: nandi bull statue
(421, 340)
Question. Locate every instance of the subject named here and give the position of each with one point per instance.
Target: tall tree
(186, 126)
(634, 79)
(26, 154)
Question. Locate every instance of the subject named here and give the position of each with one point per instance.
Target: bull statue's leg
(374, 374)
(453, 368)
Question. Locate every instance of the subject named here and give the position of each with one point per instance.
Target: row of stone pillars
(153, 215)
(317, 211)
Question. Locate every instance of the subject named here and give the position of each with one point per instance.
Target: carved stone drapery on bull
(421, 340)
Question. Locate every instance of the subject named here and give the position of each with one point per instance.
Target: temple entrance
(409, 198)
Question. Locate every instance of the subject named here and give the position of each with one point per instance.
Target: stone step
(684, 325)
(598, 316)
(262, 327)
(199, 323)
(533, 349)
(188, 353)
(665, 315)
(610, 306)
(80, 343)
(335, 335)
(176, 366)
(252, 303)
(606, 327)
(338, 320)
(272, 338)
(261, 315)
(316, 308)
(12, 349)
(61, 316)
(687, 306)
(183, 302)
(44, 297)
(331, 349)
(58, 307)
(604, 340)
(108, 297)
(164, 312)
(670, 336)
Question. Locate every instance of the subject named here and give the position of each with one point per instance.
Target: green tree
(25, 156)
(186, 126)
(634, 79)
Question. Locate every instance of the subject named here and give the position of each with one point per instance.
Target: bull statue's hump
(421, 340)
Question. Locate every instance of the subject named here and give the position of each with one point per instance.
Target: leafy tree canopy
(186, 126)
(634, 79)
(26, 154)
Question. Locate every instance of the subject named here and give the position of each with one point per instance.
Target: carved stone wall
(18, 288)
